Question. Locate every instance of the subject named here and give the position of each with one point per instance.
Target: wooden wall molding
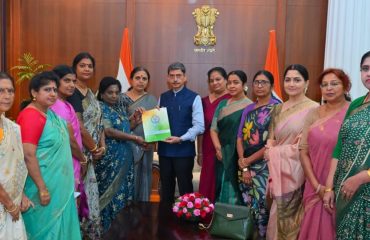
(162, 31)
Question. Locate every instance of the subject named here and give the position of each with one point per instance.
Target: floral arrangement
(192, 206)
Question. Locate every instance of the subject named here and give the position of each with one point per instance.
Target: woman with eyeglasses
(251, 141)
(317, 143)
(286, 176)
(347, 188)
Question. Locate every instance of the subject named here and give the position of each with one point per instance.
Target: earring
(34, 99)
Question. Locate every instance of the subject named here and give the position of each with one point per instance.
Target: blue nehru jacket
(179, 109)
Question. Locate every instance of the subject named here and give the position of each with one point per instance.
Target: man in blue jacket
(176, 153)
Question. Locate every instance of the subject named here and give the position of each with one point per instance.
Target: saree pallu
(228, 119)
(58, 219)
(13, 173)
(255, 132)
(115, 171)
(92, 119)
(286, 173)
(319, 138)
(142, 159)
(353, 216)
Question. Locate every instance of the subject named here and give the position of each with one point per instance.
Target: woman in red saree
(286, 173)
(318, 140)
(217, 79)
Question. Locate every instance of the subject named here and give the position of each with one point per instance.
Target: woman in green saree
(223, 132)
(348, 183)
(47, 152)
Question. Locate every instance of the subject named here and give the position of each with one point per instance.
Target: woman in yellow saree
(286, 173)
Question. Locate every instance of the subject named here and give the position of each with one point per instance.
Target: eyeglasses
(263, 83)
(365, 68)
(331, 84)
(175, 76)
(9, 91)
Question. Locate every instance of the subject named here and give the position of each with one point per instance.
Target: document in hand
(156, 125)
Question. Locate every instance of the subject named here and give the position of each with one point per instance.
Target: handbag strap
(203, 226)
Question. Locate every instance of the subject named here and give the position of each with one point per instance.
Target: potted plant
(29, 67)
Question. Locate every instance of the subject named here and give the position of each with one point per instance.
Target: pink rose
(196, 212)
(184, 210)
(190, 205)
(206, 209)
(175, 209)
(212, 206)
(198, 201)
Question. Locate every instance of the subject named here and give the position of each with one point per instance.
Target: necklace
(82, 89)
(135, 96)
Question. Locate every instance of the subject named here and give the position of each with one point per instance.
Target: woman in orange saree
(286, 173)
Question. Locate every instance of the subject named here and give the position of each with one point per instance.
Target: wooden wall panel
(2, 34)
(305, 40)
(166, 33)
(162, 31)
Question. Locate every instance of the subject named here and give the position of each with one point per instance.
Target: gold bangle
(44, 193)
(104, 149)
(12, 210)
(94, 149)
(328, 189)
(368, 172)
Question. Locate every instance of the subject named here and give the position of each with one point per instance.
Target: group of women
(302, 168)
(73, 160)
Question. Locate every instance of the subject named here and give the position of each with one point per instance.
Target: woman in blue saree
(252, 137)
(50, 184)
(115, 171)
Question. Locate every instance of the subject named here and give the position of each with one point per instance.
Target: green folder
(156, 125)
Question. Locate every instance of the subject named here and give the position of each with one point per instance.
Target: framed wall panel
(162, 31)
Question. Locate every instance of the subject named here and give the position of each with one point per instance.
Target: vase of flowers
(192, 207)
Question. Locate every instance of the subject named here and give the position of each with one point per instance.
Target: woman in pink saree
(318, 140)
(65, 110)
(286, 173)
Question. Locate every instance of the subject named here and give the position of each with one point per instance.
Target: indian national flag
(125, 63)
(272, 64)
